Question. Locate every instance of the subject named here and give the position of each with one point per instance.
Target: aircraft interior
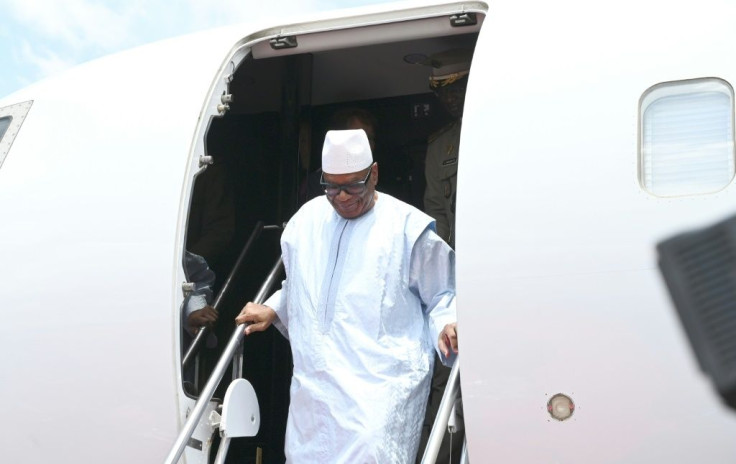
(268, 142)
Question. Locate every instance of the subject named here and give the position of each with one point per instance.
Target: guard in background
(211, 224)
(448, 80)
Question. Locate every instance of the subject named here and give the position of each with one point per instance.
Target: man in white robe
(369, 292)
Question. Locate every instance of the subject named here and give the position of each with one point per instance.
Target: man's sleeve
(282, 316)
(202, 278)
(432, 277)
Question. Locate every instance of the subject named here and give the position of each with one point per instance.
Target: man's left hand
(448, 339)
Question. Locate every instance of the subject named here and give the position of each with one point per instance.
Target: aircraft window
(686, 143)
(11, 118)
(4, 124)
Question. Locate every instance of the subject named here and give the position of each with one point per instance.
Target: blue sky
(43, 37)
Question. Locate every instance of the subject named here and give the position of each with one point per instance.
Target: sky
(41, 38)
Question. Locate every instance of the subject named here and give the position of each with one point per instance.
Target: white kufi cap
(346, 152)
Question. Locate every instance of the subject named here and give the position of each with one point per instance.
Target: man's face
(452, 97)
(351, 206)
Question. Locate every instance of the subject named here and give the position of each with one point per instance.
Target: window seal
(683, 88)
(17, 114)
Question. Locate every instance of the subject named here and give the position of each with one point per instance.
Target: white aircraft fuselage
(557, 283)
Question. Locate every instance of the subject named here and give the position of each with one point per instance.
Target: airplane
(590, 132)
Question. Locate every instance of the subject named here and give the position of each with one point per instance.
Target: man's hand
(448, 339)
(206, 316)
(258, 317)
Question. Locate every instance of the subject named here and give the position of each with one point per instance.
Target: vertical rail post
(443, 415)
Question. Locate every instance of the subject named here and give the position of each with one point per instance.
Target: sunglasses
(355, 188)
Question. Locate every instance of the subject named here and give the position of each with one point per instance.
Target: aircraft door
(571, 349)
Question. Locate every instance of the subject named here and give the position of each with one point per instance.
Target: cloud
(83, 27)
(45, 62)
(74, 25)
(48, 36)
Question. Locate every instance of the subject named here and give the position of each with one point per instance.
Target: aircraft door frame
(17, 114)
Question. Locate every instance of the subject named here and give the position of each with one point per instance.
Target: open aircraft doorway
(259, 151)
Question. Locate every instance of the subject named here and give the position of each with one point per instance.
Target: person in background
(211, 224)
(448, 80)
(196, 310)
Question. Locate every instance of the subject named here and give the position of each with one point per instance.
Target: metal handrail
(209, 389)
(205, 331)
(260, 297)
(464, 453)
(443, 416)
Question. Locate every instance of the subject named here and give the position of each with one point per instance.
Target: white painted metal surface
(241, 416)
(15, 115)
(558, 287)
(89, 195)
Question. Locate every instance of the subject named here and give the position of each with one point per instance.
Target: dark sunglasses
(355, 188)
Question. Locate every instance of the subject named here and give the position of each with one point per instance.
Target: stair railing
(443, 417)
(209, 389)
(204, 332)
